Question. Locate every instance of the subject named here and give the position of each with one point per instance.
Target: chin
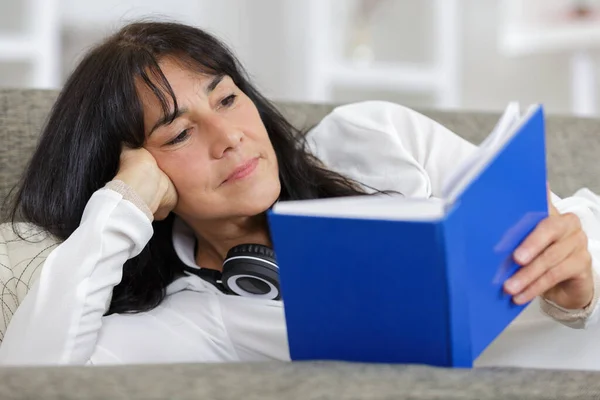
(260, 198)
(247, 200)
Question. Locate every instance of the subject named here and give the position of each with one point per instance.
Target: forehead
(185, 83)
(178, 77)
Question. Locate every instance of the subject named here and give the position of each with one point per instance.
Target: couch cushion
(21, 258)
(295, 381)
(22, 114)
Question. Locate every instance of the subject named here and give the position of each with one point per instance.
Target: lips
(242, 170)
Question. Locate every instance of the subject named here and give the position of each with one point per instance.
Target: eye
(229, 100)
(179, 138)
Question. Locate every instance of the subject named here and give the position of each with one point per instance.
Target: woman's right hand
(139, 170)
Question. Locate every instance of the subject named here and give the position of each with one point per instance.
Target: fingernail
(518, 299)
(512, 285)
(521, 255)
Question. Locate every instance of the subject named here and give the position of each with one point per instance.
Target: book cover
(404, 281)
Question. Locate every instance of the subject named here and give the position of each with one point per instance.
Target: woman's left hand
(556, 263)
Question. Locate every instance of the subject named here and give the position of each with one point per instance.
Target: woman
(159, 157)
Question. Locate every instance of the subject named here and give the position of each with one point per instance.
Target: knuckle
(146, 164)
(546, 223)
(549, 229)
(572, 220)
(586, 258)
(582, 239)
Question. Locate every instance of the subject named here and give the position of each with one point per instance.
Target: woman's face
(216, 152)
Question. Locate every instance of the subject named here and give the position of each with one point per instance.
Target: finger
(551, 209)
(168, 202)
(126, 151)
(171, 197)
(552, 256)
(569, 268)
(161, 215)
(545, 233)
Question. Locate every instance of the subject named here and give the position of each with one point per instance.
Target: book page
(463, 174)
(388, 207)
(412, 209)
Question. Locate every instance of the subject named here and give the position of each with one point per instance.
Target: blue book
(395, 280)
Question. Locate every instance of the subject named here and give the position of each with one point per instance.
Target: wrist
(130, 195)
(569, 315)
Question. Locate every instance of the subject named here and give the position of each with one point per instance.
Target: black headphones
(249, 270)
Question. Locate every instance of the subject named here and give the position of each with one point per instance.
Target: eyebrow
(167, 119)
(171, 116)
(214, 83)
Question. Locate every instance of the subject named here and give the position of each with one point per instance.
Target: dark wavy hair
(98, 110)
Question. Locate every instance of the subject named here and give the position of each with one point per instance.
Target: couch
(573, 146)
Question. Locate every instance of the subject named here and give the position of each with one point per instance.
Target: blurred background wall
(422, 53)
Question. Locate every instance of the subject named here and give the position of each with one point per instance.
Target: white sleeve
(391, 147)
(59, 319)
(586, 205)
(388, 147)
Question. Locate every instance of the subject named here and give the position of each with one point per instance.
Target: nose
(223, 136)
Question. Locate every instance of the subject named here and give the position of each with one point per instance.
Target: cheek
(249, 118)
(184, 168)
(257, 130)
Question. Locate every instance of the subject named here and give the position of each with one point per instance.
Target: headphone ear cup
(250, 270)
(252, 250)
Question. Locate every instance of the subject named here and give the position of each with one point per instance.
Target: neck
(216, 238)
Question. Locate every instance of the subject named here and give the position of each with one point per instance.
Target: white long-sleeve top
(383, 145)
